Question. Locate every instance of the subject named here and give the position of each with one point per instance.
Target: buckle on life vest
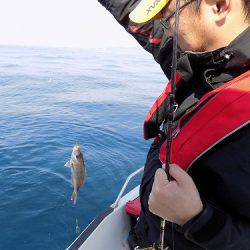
(175, 107)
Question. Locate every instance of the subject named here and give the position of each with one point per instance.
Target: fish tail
(74, 197)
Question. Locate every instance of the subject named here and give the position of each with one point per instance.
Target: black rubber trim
(90, 229)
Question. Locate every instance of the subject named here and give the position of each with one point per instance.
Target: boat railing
(131, 176)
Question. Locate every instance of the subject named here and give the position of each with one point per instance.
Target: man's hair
(246, 6)
(195, 5)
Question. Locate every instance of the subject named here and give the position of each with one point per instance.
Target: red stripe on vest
(227, 110)
(162, 98)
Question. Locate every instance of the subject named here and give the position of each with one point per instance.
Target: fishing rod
(170, 118)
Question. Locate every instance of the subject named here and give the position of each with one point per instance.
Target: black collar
(208, 70)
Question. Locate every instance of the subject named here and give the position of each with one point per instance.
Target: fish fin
(67, 164)
(74, 197)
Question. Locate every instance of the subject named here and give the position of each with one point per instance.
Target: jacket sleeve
(150, 35)
(218, 230)
(226, 225)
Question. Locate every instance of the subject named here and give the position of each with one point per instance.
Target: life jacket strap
(158, 113)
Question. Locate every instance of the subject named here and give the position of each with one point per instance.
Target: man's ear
(221, 9)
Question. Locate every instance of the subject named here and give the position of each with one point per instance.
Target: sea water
(51, 98)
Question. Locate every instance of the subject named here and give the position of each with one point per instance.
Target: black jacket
(222, 175)
(144, 33)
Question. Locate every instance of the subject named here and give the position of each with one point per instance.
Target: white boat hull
(109, 230)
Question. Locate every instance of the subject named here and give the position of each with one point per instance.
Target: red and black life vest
(216, 116)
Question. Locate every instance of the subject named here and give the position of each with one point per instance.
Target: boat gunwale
(90, 229)
(97, 221)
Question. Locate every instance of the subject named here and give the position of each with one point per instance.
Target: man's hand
(176, 201)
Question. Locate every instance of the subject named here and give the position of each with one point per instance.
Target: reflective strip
(223, 138)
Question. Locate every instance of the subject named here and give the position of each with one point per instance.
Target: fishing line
(170, 119)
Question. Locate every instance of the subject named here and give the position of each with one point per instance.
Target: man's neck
(225, 38)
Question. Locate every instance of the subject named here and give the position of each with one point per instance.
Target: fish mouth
(76, 152)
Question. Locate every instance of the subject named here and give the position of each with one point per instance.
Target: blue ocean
(52, 98)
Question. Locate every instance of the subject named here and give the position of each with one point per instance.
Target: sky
(60, 23)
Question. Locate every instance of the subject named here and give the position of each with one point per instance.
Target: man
(209, 203)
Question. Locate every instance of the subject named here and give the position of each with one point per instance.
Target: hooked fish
(78, 171)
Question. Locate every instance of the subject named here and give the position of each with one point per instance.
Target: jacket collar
(209, 70)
